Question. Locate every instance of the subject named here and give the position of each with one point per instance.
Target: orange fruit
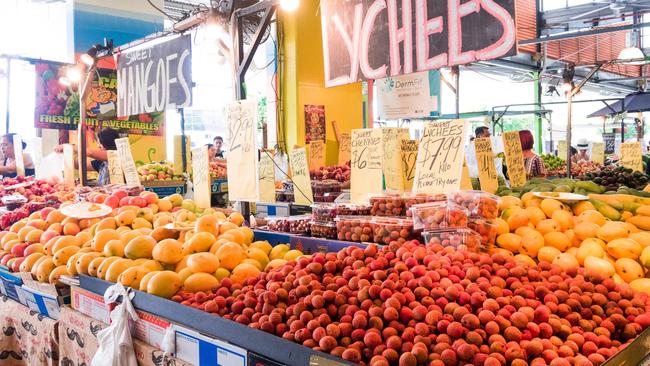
(564, 218)
(592, 216)
(557, 240)
(548, 226)
(585, 230)
(518, 219)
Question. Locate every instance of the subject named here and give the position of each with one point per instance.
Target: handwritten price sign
(366, 163)
(487, 171)
(632, 156)
(514, 158)
(201, 176)
(561, 149)
(300, 175)
(409, 154)
(392, 138)
(344, 148)
(598, 152)
(440, 157)
(316, 154)
(115, 172)
(267, 178)
(126, 160)
(465, 179)
(242, 156)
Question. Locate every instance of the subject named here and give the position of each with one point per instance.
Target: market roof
(635, 102)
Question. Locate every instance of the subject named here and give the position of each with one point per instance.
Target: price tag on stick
(391, 164)
(37, 156)
(126, 160)
(316, 154)
(561, 149)
(366, 164)
(267, 178)
(201, 176)
(344, 148)
(514, 158)
(598, 152)
(242, 155)
(18, 155)
(409, 153)
(465, 179)
(115, 172)
(68, 165)
(487, 171)
(440, 157)
(632, 156)
(302, 192)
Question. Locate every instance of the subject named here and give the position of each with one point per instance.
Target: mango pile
(155, 245)
(585, 234)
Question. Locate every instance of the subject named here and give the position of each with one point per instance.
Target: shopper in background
(582, 155)
(212, 152)
(8, 168)
(106, 138)
(481, 132)
(218, 143)
(532, 162)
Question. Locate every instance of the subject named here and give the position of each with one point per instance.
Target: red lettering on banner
(400, 35)
(423, 28)
(366, 32)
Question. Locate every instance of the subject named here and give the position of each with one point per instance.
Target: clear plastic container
(388, 229)
(459, 238)
(352, 209)
(438, 215)
(486, 229)
(13, 201)
(354, 228)
(327, 197)
(478, 203)
(291, 224)
(323, 211)
(323, 229)
(387, 204)
(412, 199)
(320, 187)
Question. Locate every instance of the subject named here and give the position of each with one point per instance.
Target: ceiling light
(631, 56)
(73, 74)
(289, 5)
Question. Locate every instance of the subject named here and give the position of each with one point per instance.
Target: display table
(28, 338)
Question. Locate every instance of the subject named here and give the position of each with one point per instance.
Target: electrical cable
(290, 179)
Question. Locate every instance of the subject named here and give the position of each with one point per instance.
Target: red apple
(112, 201)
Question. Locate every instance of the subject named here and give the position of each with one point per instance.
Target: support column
(538, 127)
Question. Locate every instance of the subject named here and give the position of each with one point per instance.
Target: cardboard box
(45, 303)
(149, 328)
(200, 350)
(11, 286)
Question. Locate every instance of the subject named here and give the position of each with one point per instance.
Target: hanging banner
(391, 163)
(514, 158)
(409, 96)
(409, 152)
(598, 152)
(316, 154)
(155, 78)
(366, 164)
(487, 171)
(242, 155)
(440, 157)
(267, 177)
(344, 148)
(632, 156)
(57, 106)
(302, 192)
(368, 39)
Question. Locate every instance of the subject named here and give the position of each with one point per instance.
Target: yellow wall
(303, 81)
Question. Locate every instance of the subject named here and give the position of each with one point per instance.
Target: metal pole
(623, 121)
(8, 111)
(183, 138)
(456, 72)
(81, 129)
(568, 133)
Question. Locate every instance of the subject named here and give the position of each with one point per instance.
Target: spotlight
(73, 74)
(90, 56)
(567, 86)
(289, 5)
(567, 78)
(63, 80)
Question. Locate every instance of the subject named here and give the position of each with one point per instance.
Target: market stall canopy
(635, 102)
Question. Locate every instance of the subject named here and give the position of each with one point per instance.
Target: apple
(149, 197)
(112, 201)
(120, 194)
(137, 201)
(124, 201)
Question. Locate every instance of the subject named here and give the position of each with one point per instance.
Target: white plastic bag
(115, 343)
(51, 167)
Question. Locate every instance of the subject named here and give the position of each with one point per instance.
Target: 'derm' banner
(57, 105)
(155, 78)
(373, 39)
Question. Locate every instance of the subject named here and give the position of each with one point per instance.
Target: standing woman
(533, 164)
(106, 138)
(8, 168)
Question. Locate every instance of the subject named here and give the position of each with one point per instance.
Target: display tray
(263, 344)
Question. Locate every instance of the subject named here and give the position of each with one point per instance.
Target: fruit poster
(314, 123)
(57, 105)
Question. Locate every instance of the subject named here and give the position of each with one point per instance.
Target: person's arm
(28, 161)
(97, 154)
(542, 167)
(9, 168)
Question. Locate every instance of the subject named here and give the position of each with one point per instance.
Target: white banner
(407, 96)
